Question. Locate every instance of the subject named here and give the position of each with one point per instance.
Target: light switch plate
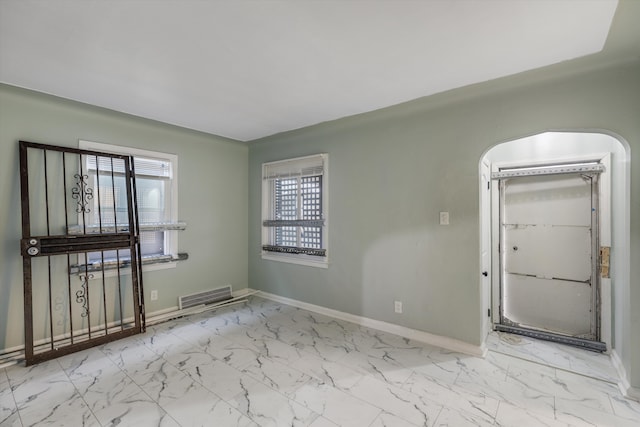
(444, 218)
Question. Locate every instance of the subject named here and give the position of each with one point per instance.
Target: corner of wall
(625, 387)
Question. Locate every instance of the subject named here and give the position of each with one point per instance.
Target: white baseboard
(625, 387)
(14, 355)
(414, 334)
(633, 393)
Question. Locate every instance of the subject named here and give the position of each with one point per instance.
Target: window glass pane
(287, 193)
(143, 166)
(110, 202)
(286, 198)
(152, 243)
(287, 236)
(286, 207)
(151, 204)
(311, 192)
(311, 237)
(109, 255)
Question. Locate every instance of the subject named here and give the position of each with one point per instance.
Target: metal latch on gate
(30, 246)
(604, 261)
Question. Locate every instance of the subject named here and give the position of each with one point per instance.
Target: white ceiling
(248, 69)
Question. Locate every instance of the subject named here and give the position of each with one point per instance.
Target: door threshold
(597, 346)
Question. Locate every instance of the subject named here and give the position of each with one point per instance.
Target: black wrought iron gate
(80, 248)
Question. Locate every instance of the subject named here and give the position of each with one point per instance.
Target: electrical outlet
(398, 306)
(444, 218)
(154, 295)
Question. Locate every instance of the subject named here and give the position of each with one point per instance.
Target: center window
(156, 191)
(294, 210)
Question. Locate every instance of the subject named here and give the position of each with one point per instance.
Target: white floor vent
(206, 297)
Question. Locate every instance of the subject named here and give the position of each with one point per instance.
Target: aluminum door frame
(49, 245)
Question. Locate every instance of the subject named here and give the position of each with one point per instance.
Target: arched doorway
(557, 148)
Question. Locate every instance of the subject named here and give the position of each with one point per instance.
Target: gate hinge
(488, 312)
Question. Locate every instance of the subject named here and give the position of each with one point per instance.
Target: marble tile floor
(267, 364)
(565, 357)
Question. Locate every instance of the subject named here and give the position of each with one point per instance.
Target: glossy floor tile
(572, 359)
(263, 363)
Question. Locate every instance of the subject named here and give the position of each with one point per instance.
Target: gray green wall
(392, 171)
(212, 195)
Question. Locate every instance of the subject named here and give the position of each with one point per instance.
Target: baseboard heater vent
(206, 297)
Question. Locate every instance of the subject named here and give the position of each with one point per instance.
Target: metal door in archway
(549, 253)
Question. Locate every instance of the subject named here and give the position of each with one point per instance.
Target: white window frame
(268, 210)
(171, 237)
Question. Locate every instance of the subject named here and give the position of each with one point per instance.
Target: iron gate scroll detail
(82, 193)
(69, 309)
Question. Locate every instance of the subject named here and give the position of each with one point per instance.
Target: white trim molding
(15, 355)
(625, 387)
(414, 334)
